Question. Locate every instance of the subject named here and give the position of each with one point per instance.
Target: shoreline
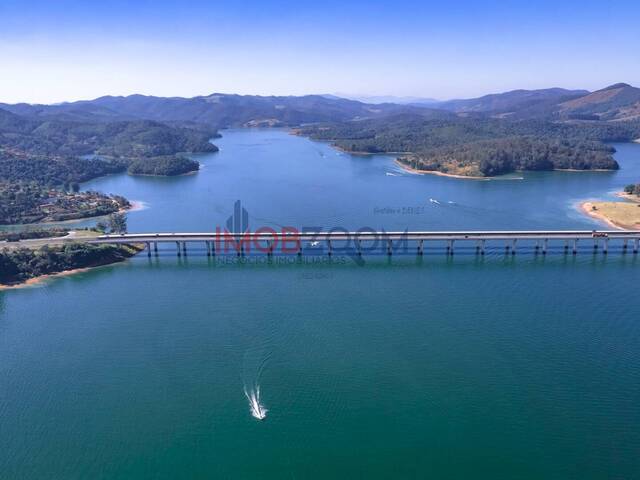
(439, 174)
(153, 175)
(358, 153)
(586, 208)
(628, 196)
(37, 281)
(578, 170)
(136, 205)
(41, 279)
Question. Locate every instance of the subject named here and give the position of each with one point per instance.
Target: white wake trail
(255, 407)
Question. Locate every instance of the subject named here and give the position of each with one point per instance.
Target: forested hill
(223, 110)
(482, 146)
(49, 151)
(615, 102)
(550, 128)
(139, 138)
(44, 158)
(514, 101)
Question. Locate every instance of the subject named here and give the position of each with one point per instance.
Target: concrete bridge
(290, 241)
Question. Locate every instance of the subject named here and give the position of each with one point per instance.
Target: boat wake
(255, 407)
(254, 363)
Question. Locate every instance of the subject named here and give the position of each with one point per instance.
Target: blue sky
(52, 51)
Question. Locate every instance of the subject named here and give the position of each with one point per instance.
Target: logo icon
(238, 222)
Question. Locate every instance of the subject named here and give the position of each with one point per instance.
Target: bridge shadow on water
(349, 258)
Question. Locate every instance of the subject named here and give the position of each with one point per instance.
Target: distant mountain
(616, 102)
(220, 110)
(514, 101)
(620, 101)
(224, 110)
(12, 123)
(77, 111)
(378, 99)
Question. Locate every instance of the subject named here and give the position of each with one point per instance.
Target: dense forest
(125, 139)
(52, 170)
(488, 158)
(481, 146)
(43, 160)
(60, 152)
(165, 166)
(17, 266)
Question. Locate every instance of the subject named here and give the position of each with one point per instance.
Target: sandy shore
(135, 206)
(606, 211)
(629, 197)
(587, 208)
(36, 281)
(439, 174)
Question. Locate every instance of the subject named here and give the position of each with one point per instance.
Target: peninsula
(624, 214)
(24, 266)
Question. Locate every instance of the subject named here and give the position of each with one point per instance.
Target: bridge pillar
(358, 247)
(208, 247)
(575, 246)
(544, 246)
(184, 247)
(566, 246)
(148, 249)
(420, 247)
(635, 245)
(482, 242)
(155, 247)
(450, 247)
(513, 246)
(329, 247)
(625, 244)
(389, 247)
(537, 247)
(178, 248)
(605, 247)
(595, 244)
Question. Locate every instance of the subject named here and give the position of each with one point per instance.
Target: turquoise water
(497, 367)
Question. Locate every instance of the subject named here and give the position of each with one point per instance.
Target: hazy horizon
(374, 98)
(76, 51)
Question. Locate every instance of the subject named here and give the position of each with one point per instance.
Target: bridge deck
(370, 236)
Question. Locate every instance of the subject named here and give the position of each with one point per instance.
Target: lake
(499, 367)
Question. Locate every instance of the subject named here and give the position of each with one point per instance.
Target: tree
(118, 223)
(631, 189)
(101, 226)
